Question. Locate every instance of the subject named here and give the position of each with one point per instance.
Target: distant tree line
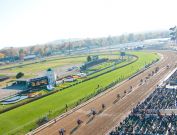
(52, 48)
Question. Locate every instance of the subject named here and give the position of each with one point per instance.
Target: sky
(30, 22)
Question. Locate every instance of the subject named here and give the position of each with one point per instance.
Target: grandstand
(150, 116)
(32, 83)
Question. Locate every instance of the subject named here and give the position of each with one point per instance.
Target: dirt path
(114, 113)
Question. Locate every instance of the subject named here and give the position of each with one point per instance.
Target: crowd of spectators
(147, 124)
(161, 98)
(146, 118)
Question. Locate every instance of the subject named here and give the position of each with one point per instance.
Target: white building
(82, 75)
(52, 77)
(29, 57)
(69, 79)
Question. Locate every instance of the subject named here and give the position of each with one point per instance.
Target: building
(94, 61)
(30, 57)
(94, 57)
(52, 77)
(43, 82)
(31, 84)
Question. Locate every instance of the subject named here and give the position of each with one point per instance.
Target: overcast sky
(28, 22)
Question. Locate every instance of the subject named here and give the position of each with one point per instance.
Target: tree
(89, 58)
(141, 37)
(13, 51)
(19, 75)
(131, 37)
(46, 50)
(42, 120)
(21, 54)
(123, 39)
(122, 54)
(41, 51)
(32, 49)
(2, 55)
(110, 40)
(87, 44)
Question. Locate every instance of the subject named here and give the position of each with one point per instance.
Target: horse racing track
(114, 112)
(104, 119)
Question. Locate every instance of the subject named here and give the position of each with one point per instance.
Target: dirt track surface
(114, 112)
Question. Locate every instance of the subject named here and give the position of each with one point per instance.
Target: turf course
(31, 68)
(22, 119)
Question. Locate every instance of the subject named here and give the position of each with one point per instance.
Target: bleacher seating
(146, 117)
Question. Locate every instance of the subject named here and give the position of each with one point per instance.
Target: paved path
(7, 92)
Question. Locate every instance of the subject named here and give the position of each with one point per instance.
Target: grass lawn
(23, 63)
(22, 119)
(45, 65)
(101, 66)
(116, 66)
(33, 68)
(2, 107)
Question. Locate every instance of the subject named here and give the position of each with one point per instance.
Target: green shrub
(19, 75)
(42, 120)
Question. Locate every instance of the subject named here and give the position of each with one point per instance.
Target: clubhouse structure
(47, 81)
